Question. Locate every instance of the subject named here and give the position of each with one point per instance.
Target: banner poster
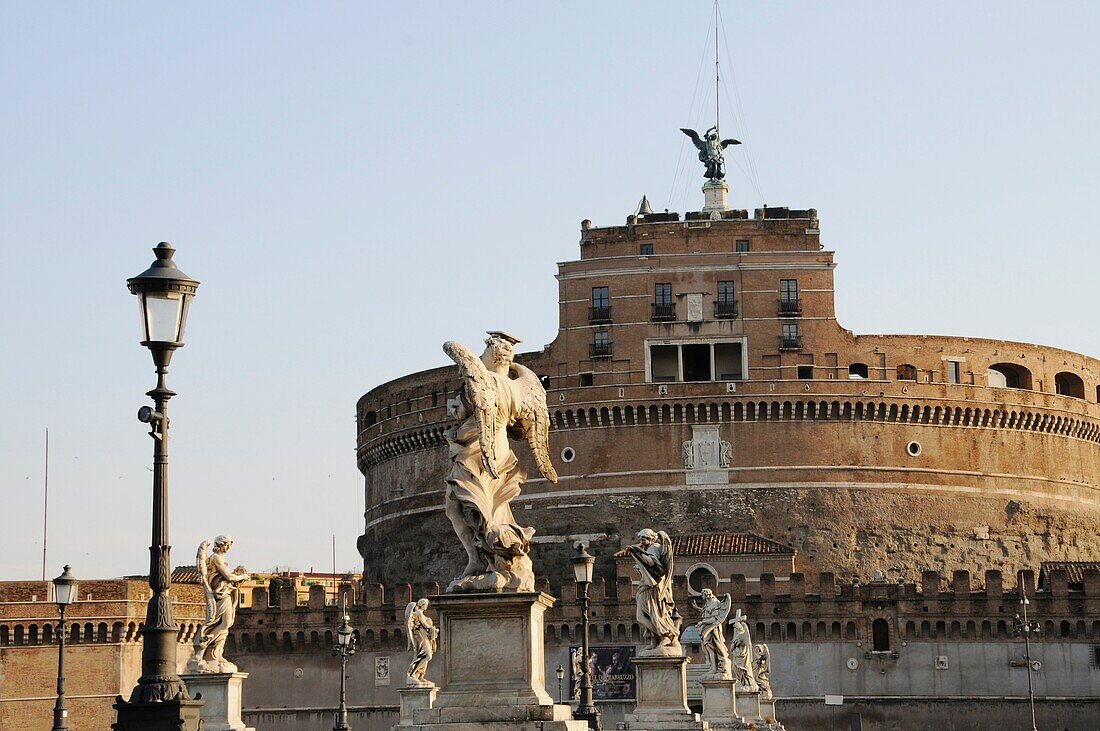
(612, 670)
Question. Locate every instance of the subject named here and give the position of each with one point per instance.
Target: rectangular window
(601, 305)
(727, 362)
(788, 290)
(601, 344)
(696, 362)
(742, 247)
(953, 372)
(792, 337)
(664, 363)
(805, 372)
(725, 305)
(663, 308)
(646, 249)
(585, 379)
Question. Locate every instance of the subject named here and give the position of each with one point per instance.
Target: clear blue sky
(340, 176)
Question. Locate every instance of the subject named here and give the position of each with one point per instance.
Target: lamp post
(160, 700)
(1024, 627)
(583, 563)
(343, 649)
(561, 675)
(63, 592)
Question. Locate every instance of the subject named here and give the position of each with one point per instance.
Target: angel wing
(533, 423)
(694, 137)
(725, 602)
(409, 609)
(203, 567)
(731, 141)
(481, 394)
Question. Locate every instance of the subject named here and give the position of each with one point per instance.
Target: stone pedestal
(719, 705)
(662, 695)
(221, 695)
(414, 699)
(492, 664)
(767, 709)
(747, 705)
(715, 193)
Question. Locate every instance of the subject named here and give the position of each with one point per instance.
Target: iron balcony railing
(663, 311)
(599, 314)
(790, 307)
(599, 350)
(725, 308)
(790, 342)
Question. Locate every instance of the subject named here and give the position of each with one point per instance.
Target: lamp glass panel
(63, 593)
(343, 635)
(163, 312)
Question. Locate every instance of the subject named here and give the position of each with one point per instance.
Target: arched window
(1008, 375)
(907, 372)
(701, 576)
(1069, 384)
(857, 371)
(880, 635)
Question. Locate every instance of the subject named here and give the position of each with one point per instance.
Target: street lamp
(343, 649)
(561, 675)
(63, 592)
(1024, 627)
(159, 701)
(583, 563)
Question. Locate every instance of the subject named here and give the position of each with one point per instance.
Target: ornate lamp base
(173, 715)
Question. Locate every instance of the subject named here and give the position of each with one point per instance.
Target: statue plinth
(715, 193)
(414, 698)
(492, 666)
(662, 695)
(747, 705)
(222, 698)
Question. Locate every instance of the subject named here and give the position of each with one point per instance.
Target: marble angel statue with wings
(222, 594)
(499, 399)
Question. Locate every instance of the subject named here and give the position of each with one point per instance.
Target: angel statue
(499, 399)
(710, 151)
(741, 655)
(762, 661)
(423, 636)
(652, 554)
(714, 612)
(220, 588)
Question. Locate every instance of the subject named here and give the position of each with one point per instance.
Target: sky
(355, 183)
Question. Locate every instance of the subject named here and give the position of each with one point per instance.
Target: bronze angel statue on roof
(499, 399)
(710, 151)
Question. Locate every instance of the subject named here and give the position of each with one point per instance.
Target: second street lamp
(160, 701)
(63, 592)
(1025, 628)
(583, 563)
(344, 648)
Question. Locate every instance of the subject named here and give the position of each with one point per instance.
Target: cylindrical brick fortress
(700, 383)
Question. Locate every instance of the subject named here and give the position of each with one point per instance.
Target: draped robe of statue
(653, 557)
(712, 637)
(499, 399)
(741, 656)
(422, 637)
(220, 587)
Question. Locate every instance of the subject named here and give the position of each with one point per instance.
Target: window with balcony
(725, 305)
(791, 337)
(663, 307)
(601, 344)
(789, 303)
(600, 311)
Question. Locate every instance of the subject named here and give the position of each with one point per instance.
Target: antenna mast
(45, 502)
(717, 111)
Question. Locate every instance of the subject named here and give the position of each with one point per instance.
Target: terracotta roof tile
(1075, 570)
(727, 544)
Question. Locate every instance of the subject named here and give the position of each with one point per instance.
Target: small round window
(697, 575)
(568, 454)
(913, 448)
